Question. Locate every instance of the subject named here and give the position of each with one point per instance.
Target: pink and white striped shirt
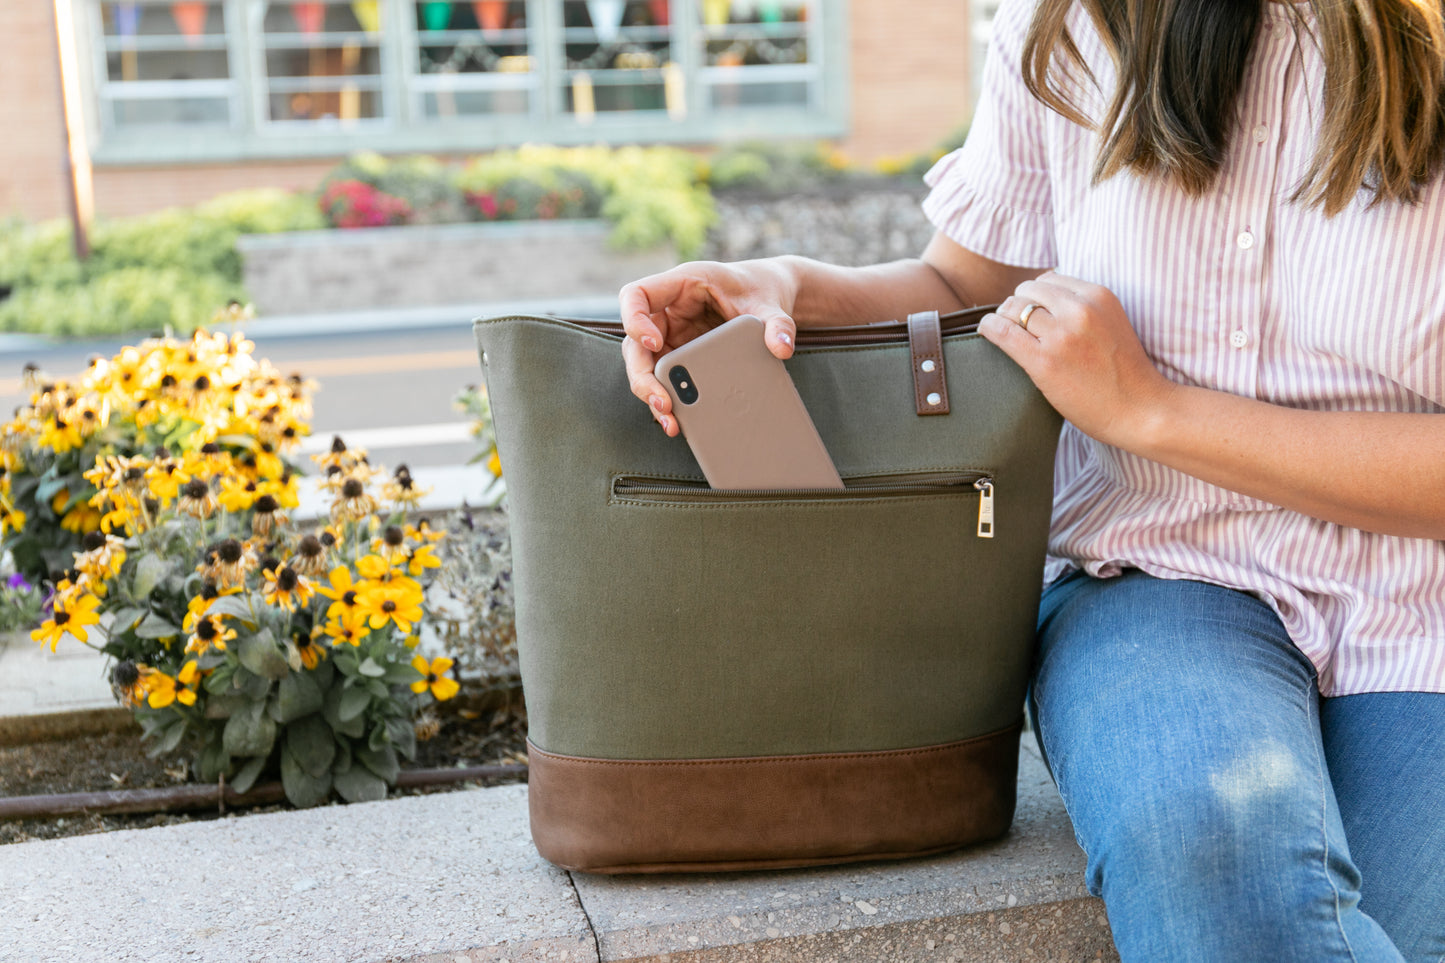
(1243, 291)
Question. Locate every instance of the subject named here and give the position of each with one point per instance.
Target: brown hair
(1180, 65)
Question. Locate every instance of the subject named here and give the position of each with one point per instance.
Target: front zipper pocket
(630, 489)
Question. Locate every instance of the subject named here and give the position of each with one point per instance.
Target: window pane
(726, 96)
(165, 64)
(190, 112)
(614, 55)
(127, 65)
(325, 106)
(448, 103)
(323, 59)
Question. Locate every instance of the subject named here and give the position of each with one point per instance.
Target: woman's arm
(1376, 471)
(666, 310)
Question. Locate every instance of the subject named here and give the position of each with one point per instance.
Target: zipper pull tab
(985, 507)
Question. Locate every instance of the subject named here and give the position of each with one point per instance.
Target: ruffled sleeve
(993, 194)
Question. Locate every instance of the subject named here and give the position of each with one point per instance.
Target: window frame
(403, 126)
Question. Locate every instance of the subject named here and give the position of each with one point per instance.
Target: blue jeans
(1227, 811)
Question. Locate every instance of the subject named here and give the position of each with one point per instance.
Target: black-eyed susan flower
(100, 556)
(267, 515)
(352, 503)
(343, 593)
(423, 532)
(310, 557)
(237, 493)
(12, 519)
(209, 633)
(127, 681)
(71, 611)
(226, 563)
(434, 678)
(349, 627)
(421, 558)
(165, 689)
(306, 648)
(286, 589)
(393, 602)
(402, 489)
(390, 546)
(197, 499)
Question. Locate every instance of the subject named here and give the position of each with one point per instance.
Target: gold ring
(1027, 313)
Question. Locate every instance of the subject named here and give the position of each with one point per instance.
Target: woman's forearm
(1377, 471)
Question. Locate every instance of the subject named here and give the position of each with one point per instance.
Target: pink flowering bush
(352, 203)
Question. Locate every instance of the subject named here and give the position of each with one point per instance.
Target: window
(222, 79)
(164, 66)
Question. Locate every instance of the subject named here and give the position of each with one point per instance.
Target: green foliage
(652, 195)
(780, 167)
(171, 268)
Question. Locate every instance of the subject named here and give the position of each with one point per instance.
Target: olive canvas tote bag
(726, 680)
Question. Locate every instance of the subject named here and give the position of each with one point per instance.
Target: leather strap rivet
(928, 365)
(934, 398)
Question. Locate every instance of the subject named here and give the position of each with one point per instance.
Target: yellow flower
(59, 435)
(390, 547)
(286, 589)
(308, 650)
(494, 464)
(434, 678)
(348, 627)
(402, 489)
(226, 563)
(237, 493)
(101, 556)
(391, 602)
(342, 593)
(11, 519)
(210, 633)
(165, 690)
(421, 559)
(197, 499)
(70, 612)
(80, 519)
(165, 477)
(352, 502)
(423, 532)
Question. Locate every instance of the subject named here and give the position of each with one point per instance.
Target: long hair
(1180, 65)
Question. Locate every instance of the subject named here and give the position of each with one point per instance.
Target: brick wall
(32, 147)
(910, 63)
(910, 89)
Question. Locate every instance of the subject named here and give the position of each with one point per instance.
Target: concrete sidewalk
(453, 878)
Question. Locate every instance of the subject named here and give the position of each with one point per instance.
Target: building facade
(179, 101)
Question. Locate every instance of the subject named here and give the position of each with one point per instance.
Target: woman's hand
(1082, 353)
(664, 311)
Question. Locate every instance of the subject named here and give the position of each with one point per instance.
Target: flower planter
(309, 272)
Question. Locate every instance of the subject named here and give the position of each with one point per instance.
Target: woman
(1241, 677)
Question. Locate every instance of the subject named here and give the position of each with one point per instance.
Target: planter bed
(309, 272)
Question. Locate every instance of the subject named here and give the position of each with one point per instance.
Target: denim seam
(1310, 704)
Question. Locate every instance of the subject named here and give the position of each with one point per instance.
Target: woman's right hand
(664, 311)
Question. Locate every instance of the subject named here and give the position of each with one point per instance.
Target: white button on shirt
(1343, 313)
(1260, 133)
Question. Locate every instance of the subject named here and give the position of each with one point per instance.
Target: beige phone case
(745, 423)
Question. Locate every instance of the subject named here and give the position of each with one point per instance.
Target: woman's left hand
(1082, 353)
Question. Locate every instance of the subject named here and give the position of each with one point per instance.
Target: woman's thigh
(1386, 755)
(1183, 729)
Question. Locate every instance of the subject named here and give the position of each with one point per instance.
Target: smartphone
(741, 415)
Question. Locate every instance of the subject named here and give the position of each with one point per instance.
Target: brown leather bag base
(689, 815)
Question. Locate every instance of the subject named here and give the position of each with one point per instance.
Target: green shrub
(171, 268)
(652, 194)
(147, 299)
(779, 167)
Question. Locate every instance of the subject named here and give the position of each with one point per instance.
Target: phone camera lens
(682, 382)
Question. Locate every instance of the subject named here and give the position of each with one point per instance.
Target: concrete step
(453, 878)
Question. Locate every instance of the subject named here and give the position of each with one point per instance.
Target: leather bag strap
(925, 343)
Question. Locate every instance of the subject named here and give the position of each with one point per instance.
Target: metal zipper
(855, 487)
(880, 332)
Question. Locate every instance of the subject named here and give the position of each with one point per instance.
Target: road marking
(334, 367)
(399, 436)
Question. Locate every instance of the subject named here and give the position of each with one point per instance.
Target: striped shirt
(1238, 290)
